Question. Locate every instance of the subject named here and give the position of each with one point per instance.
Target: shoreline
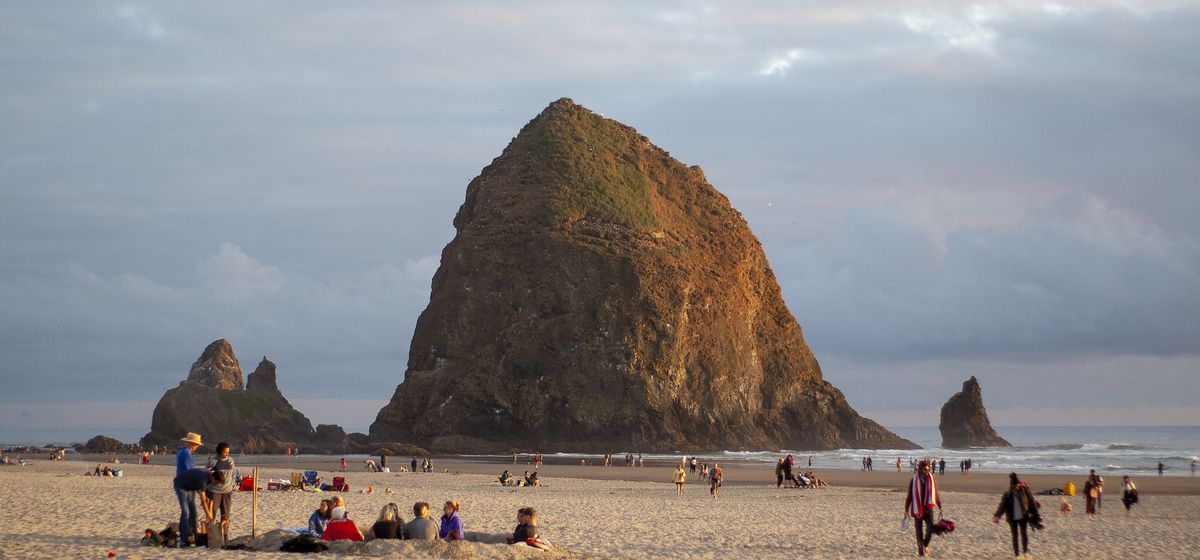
(737, 473)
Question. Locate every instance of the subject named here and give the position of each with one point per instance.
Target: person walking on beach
(187, 505)
(779, 473)
(942, 467)
(1160, 468)
(1129, 494)
(714, 485)
(919, 503)
(1020, 509)
(680, 478)
(1091, 493)
(343, 464)
(897, 464)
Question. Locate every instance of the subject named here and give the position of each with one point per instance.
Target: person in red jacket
(340, 528)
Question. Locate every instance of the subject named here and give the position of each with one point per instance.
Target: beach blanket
(924, 495)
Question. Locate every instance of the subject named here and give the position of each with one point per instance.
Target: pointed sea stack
(964, 422)
(600, 295)
(212, 402)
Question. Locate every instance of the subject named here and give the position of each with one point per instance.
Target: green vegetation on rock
(593, 175)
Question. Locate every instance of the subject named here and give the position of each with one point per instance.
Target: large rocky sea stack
(600, 295)
(964, 422)
(212, 402)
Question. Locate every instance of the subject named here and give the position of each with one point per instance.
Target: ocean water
(1118, 450)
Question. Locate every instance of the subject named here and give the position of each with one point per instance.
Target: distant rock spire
(263, 377)
(964, 421)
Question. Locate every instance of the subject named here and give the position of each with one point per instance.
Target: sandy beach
(597, 512)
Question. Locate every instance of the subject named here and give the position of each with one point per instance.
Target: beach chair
(311, 480)
(339, 484)
(297, 480)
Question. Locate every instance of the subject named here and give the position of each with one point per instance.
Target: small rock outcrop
(103, 444)
(964, 422)
(600, 295)
(217, 367)
(212, 403)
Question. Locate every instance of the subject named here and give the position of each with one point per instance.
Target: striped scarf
(924, 495)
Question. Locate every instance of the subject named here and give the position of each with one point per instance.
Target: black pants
(925, 524)
(1024, 544)
(778, 480)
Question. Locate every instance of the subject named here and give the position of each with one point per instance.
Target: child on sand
(680, 477)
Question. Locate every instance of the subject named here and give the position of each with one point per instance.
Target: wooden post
(254, 506)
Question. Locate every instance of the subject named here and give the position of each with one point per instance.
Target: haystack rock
(600, 295)
(212, 402)
(964, 421)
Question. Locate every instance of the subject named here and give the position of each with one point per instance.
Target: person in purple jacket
(452, 525)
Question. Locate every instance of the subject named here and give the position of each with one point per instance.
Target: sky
(1001, 189)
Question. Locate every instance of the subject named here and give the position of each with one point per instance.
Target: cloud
(233, 275)
(989, 184)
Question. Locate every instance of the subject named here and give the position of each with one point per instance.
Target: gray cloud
(986, 187)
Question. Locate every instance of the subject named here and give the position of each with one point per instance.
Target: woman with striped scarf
(922, 498)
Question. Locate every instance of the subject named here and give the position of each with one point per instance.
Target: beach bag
(215, 538)
(1069, 489)
(1133, 496)
(1093, 492)
(943, 527)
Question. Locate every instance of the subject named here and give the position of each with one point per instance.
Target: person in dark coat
(1020, 509)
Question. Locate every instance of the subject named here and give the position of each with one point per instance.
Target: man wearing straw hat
(187, 503)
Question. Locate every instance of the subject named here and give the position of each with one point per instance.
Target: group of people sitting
(783, 473)
(102, 470)
(330, 522)
(530, 479)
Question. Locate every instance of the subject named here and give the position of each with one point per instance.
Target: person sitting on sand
(531, 479)
(340, 528)
(421, 528)
(526, 526)
(319, 519)
(814, 481)
(389, 525)
(527, 530)
(505, 478)
(451, 528)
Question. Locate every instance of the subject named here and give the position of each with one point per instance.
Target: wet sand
(737, 473)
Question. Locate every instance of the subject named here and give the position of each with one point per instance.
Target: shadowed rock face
(217, 367)
(601, 295)
(964, 422)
